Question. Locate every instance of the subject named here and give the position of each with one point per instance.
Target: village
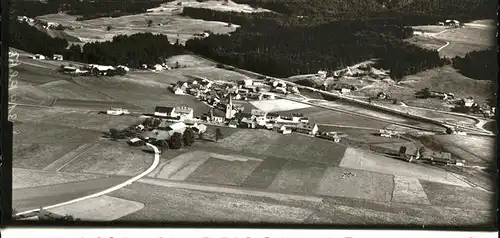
(168, 126)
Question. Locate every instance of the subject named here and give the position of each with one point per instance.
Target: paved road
(32, 198)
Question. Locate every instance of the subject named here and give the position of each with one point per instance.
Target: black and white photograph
(297, 112)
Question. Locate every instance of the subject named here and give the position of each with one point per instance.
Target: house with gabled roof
(163, 111)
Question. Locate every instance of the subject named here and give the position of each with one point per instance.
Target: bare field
(364, 160)
(27, 178)
(143, 96)
(324, 116)
(409, 190)
(362, 212)
(448, 79)
(454, 196)
(40, 133)
(39, 155)
(461, 40)
(211, 4)
(482, 147)
(188, 61)
(111, 159)
(211, 73)
(206, 206)
(293, 146)
(168, 22)
(74, 118)
(363, 185)
(298, 177)
(220, 171)
(278, 105)
(103, 208)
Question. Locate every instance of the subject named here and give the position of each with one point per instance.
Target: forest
(481, 65)
(28, 38)
(86, 9)
(282, 50)
(450, 9)
(133, 50)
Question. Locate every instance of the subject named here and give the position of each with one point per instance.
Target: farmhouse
(280, 90)
(136, 142)
(306, 128)
(185, 113)
(39, 57)
(467, 102)
(272, 116)
(163, 111)
(57, 57)
(322, 74)
(233, 124)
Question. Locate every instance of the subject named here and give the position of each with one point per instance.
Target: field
(166, 20)
(323, 116)
(474, 149)
(278, 105)
(26, 178)
(471, 37)
(103, 208)
(111, 159)
(189, 61)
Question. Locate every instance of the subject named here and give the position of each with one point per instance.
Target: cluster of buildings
(57, 57)
(156, 67)
(94, 69)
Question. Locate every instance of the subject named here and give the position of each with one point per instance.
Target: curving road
(48, 197)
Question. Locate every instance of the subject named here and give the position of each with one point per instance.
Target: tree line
(481, 65)
(85, 9)
(284, 51)
(28, 38)
(133, 50)
(449, 9)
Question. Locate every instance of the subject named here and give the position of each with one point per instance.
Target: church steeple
(229, 108)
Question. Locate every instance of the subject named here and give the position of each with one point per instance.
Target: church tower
(229, 109)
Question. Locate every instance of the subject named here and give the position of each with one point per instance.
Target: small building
(185, 113)
(247, 82)
(306, 128)
(280, 90)
(123, 67)
(272, 116)
(39, 57)
(345, 90)
(268, 96)
(140, 127)
(233, 124)
(467, 102)
(157, 67)
(382, 96)
(163, 111)
(258, 113)
(57, 57)
(321, 74)
(136, 142)
(117, 111)
(217, 119)
(304, 120)
(296, 117)
(247, 122)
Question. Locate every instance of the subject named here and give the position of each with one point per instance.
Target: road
(31, 200)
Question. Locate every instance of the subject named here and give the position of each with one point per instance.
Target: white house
(247, 82)
(39, 56)
(117, 111)
(163, 111)
(123, 67)
(185, 113)
(57, 57)
(345, 90)
(322, 74)
(467, 102)
(157, 67)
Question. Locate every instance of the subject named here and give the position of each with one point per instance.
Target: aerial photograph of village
(327, 112)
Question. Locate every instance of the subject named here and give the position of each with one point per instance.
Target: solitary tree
(175, 141)
(150, 23)
(177, 65)
(188, 137)
(109, 28)
(218, 134)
